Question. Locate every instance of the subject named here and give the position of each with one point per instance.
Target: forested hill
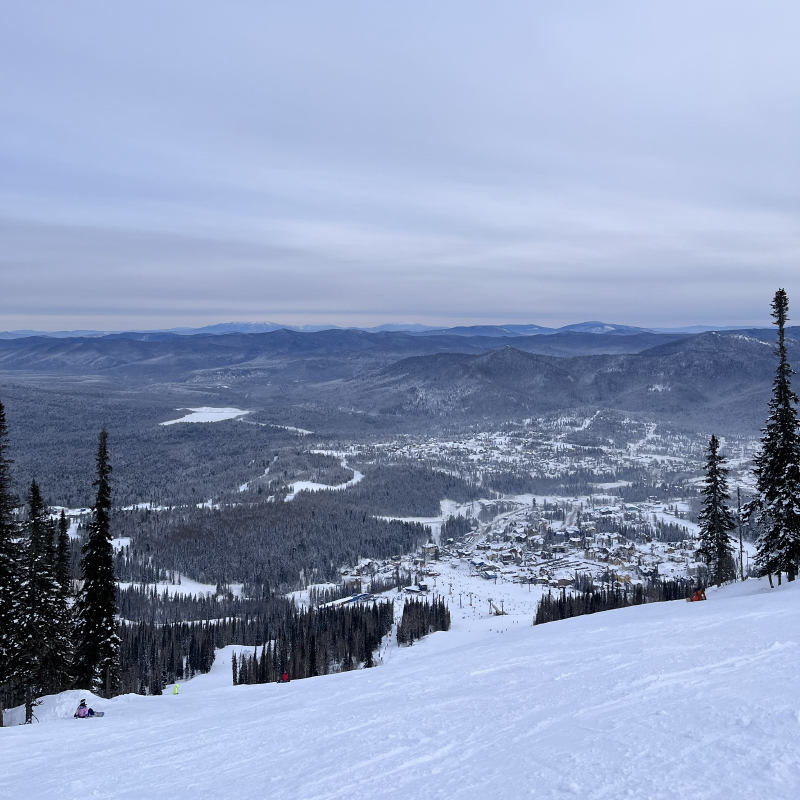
(711, 377)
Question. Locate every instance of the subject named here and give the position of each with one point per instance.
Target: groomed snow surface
(670, 700)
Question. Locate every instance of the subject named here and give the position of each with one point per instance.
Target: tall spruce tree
(716, 521)
(58, 661)
(98, 644)
(9, 567)
(776, 507)
(38, 593)
(63, 558)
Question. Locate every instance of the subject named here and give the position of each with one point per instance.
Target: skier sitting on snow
(83, 711)
(700, 594)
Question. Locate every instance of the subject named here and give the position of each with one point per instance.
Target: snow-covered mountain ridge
(670, 700)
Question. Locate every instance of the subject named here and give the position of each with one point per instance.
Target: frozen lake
(207, 414)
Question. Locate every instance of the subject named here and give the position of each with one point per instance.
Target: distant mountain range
(223, 328)
(284, 354)
(712, 380)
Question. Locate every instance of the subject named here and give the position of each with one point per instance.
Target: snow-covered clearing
(207, 414)
(686, 700)
(301, 596)
(311, 486)
(121, 542)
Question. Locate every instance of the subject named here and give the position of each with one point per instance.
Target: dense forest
(300, 643)
(316, 642)
(166, 465)
(409, 490)
(421, 618)
(591, 600)
(278, 545)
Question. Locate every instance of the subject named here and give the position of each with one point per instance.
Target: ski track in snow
(669, 700)
(310, 486)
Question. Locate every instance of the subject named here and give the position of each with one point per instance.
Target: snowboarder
(700, 594)
(284, 678)
(82, 711)
(175, 690)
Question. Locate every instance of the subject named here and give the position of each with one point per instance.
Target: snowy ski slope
(671, 700)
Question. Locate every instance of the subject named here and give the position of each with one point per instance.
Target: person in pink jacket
(82, 711)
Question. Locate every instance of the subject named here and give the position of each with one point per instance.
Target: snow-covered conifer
(98, 644)
(58, 662)
(776, 507)
(9, 565)
(63, 556)
(38, 592)
(716, 521)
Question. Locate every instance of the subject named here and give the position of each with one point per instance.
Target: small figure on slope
(82, 711)
(700, 594)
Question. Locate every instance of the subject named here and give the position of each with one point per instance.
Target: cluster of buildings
(521, 544)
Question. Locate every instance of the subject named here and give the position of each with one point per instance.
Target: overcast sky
(181, 163)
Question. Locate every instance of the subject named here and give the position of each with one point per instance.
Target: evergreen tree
(776, 508)
(38, 592)
(63, 557)
(9, 567)
(98, 644)
(59, 655)
(716, 521)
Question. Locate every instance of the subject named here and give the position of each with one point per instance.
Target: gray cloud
(356, 163)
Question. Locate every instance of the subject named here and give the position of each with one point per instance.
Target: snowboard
(96, 714)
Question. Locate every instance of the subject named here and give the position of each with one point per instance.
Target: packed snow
(207, 414)
(686, 700)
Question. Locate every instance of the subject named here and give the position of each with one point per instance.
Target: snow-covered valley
(664, 700)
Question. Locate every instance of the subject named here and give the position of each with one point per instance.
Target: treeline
(36, 636)
(639, 491)
(591, 600)
(177, 636)
(50, 641)
(301, 643)
(574, 484)
(455, 527)
(669, 532)
(408, 490)
(317, 642)
(151, 604)
(280, 546)
(421, 618)
(153, 656)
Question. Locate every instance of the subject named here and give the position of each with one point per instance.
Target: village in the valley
(517, 547)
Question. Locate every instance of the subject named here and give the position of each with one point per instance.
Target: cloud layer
(188, 163)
